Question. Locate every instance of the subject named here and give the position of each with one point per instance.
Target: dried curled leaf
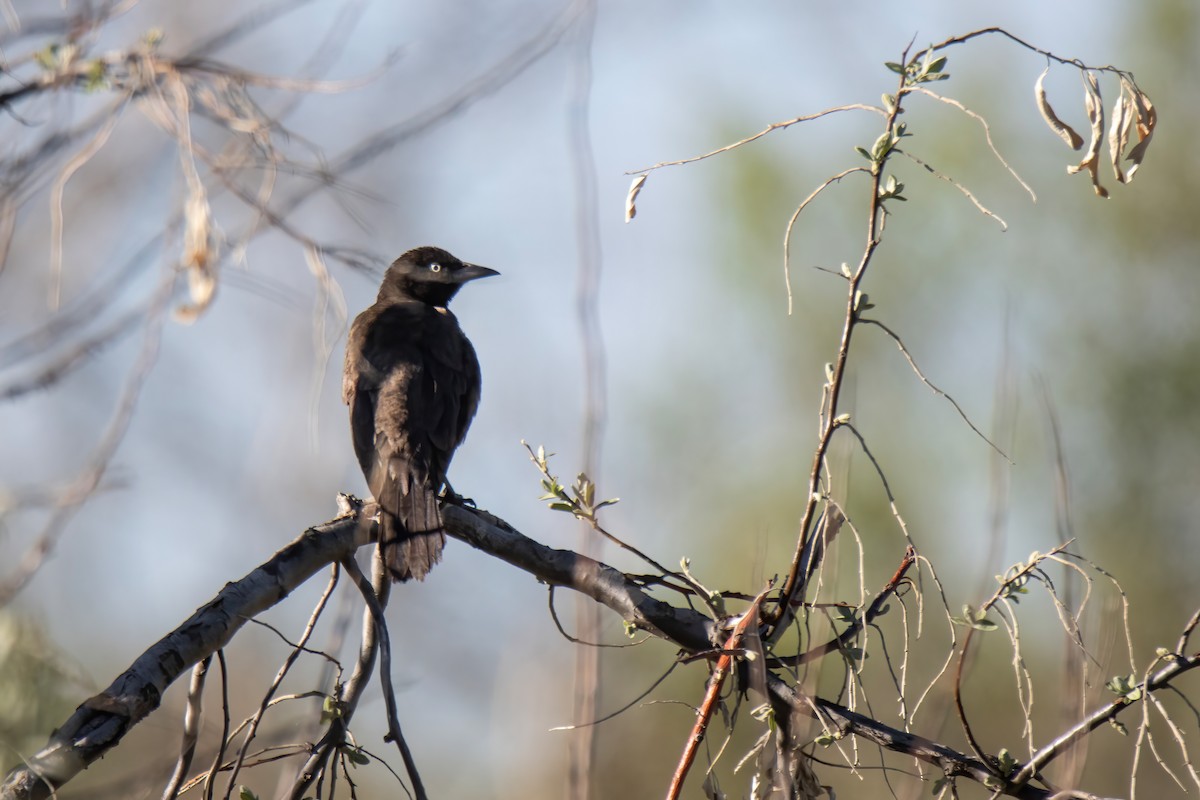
(1095, 111)
(1147, 119)
(631, 199)
(1062, 129)
(199, 259)
(1118, 132)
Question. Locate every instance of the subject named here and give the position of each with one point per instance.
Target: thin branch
(987, 133)
(375, 608)
(966, 37)
(286, 667)
(1104, 714)
(793, 585)
(210, 782)
(191, 729)
(787, 234)
(749, 620)
(965, 191)
(921, 375)
(774, 126)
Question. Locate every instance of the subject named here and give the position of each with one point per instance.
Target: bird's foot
(454, 498)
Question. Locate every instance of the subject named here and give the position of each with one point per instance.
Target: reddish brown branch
(713, 695)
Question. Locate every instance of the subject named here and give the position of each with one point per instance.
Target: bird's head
(428, 274)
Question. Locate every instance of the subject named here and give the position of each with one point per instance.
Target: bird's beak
(470, 272)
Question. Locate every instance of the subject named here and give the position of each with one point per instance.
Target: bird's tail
(410, 532)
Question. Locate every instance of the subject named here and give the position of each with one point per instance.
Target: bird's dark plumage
(412, 383)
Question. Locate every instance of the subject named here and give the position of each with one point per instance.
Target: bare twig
(939, 392)
(787, 234)
(965, 191)
(369, 592)
(987, 133)
(774, 126)
(191, 729)
(286, 667)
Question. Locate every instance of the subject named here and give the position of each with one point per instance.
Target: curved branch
(102, 721)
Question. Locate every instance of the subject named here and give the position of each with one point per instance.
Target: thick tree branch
(689, 629)
(99, 724)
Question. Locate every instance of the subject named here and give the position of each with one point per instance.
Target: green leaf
(882, 146)
(845, 613)
(244, 793)
(561, 506)
(47, 57)
(895, 67)
(330, 709)
(1006, 762)
(854, 653)
(1126, 687)
(96, 76)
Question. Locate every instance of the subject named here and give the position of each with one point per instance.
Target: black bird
(412, 383)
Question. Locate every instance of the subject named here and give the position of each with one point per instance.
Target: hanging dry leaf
(1118, 133)
(1062, 129)
(199, 259)
(631, 199)
(1147, 119)
(1095, 112)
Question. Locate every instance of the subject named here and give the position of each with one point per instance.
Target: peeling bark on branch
(102, 721)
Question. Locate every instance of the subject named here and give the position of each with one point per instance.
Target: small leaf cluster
(975, 619)
(578, 499)
(1006, 763)
(925, 69)
(891, 190)
(331, 709)
(883, 146)
(1126, 687)
(1015, 582)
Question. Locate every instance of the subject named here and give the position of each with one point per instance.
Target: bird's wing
(452, 361)
(420, 374)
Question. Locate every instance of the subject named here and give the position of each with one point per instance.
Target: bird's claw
(454, 498)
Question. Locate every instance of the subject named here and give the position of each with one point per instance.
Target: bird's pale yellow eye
(435, 267)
